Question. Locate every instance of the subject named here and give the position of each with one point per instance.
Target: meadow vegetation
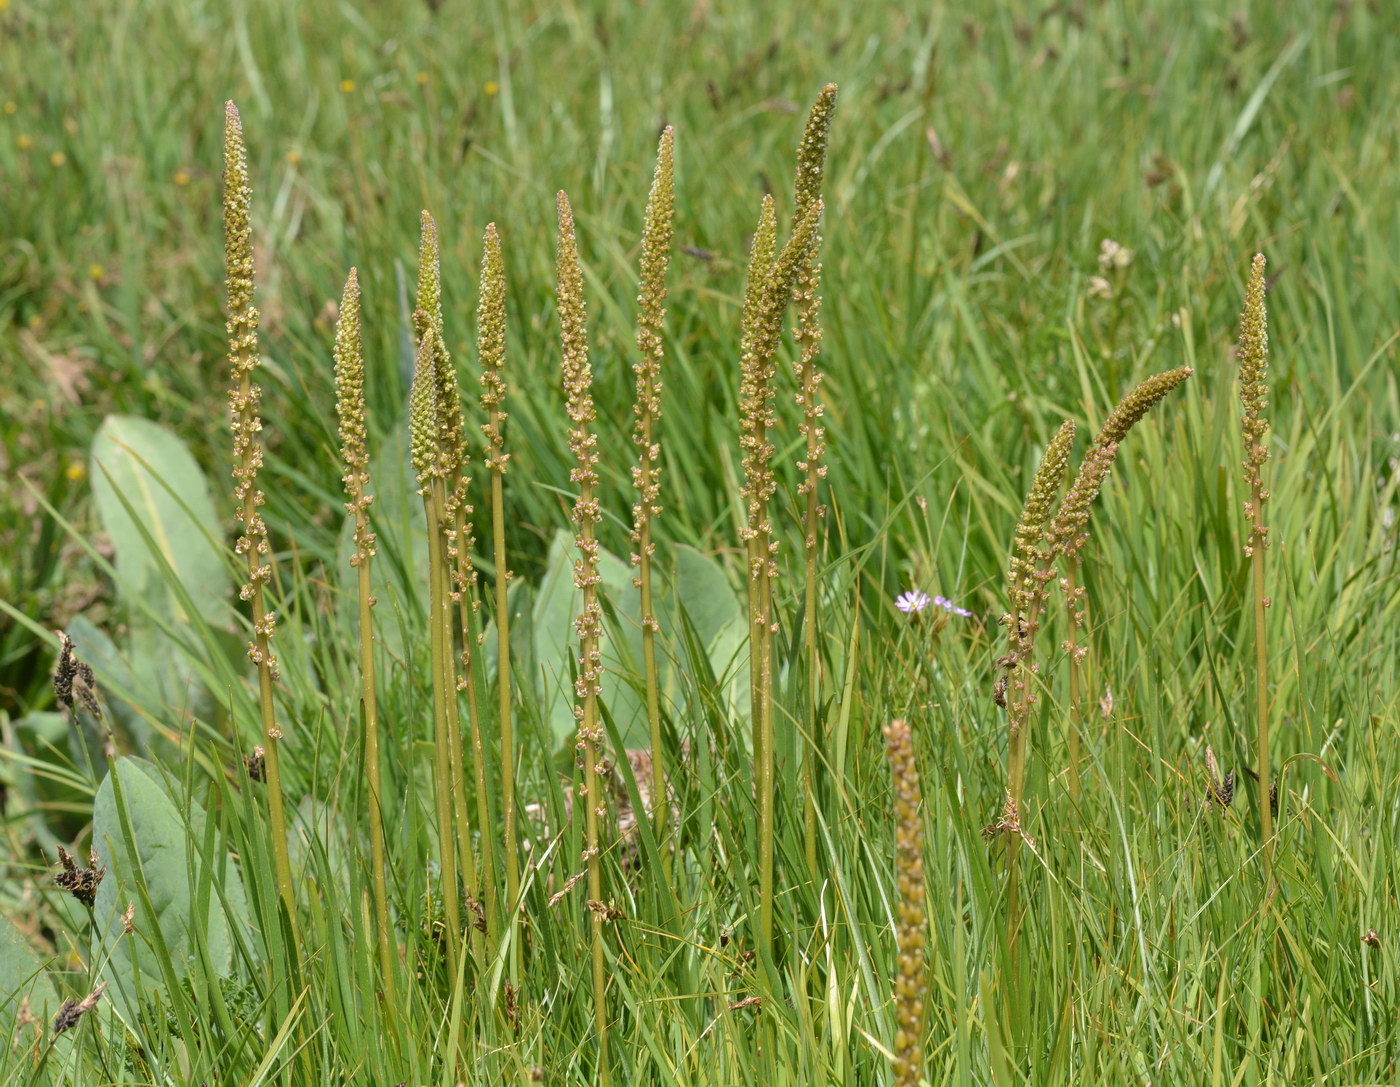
(618, 561)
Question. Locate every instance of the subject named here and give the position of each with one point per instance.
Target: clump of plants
(465, 939)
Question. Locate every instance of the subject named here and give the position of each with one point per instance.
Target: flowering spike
(350, 409)
(428, 301)
(423, 408)
(651, 315)
(1066, 534)
(1138, 403)
(1028, 546)
(491, 347)
(811, 153)
(1253, 354)
(765, 241)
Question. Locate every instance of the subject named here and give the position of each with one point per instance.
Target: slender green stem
(443, 693)
(491, 350)
(276, 813)
(659, 802)
(1076, 717)
(765, 765)
(1261, 703)
(370, 723)
(466, 592)
(506, 767)
(350, 411)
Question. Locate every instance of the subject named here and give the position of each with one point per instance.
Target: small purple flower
(947, 605)
(912, 602)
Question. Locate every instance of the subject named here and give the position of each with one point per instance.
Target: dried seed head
(1253, 354)
(74, 679)
(911, 910)
(255, 763)
(350, 409)
(491, 348)
(81, 883)
(72, 1011)
(1138, 403)
(1220, 790)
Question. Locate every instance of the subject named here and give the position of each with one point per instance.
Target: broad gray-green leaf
(141, 462)
(398, 571)
(23, 977)
(161, 856)
(556, 646)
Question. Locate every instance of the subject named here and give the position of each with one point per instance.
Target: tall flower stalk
(350, 410)
(1069, 534)
(491, 351)
(463, 593)
(434, 461)
(1253, 352)
(811, 166)
(1029, 556)
(646, 474)
(578, 393)
(769, 291)
(245, 401)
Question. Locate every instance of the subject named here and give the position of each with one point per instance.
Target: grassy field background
(981, 155)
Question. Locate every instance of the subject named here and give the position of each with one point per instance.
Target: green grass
(959, 332)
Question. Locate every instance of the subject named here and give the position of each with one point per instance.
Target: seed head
(81, 883)
(72, 1011)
